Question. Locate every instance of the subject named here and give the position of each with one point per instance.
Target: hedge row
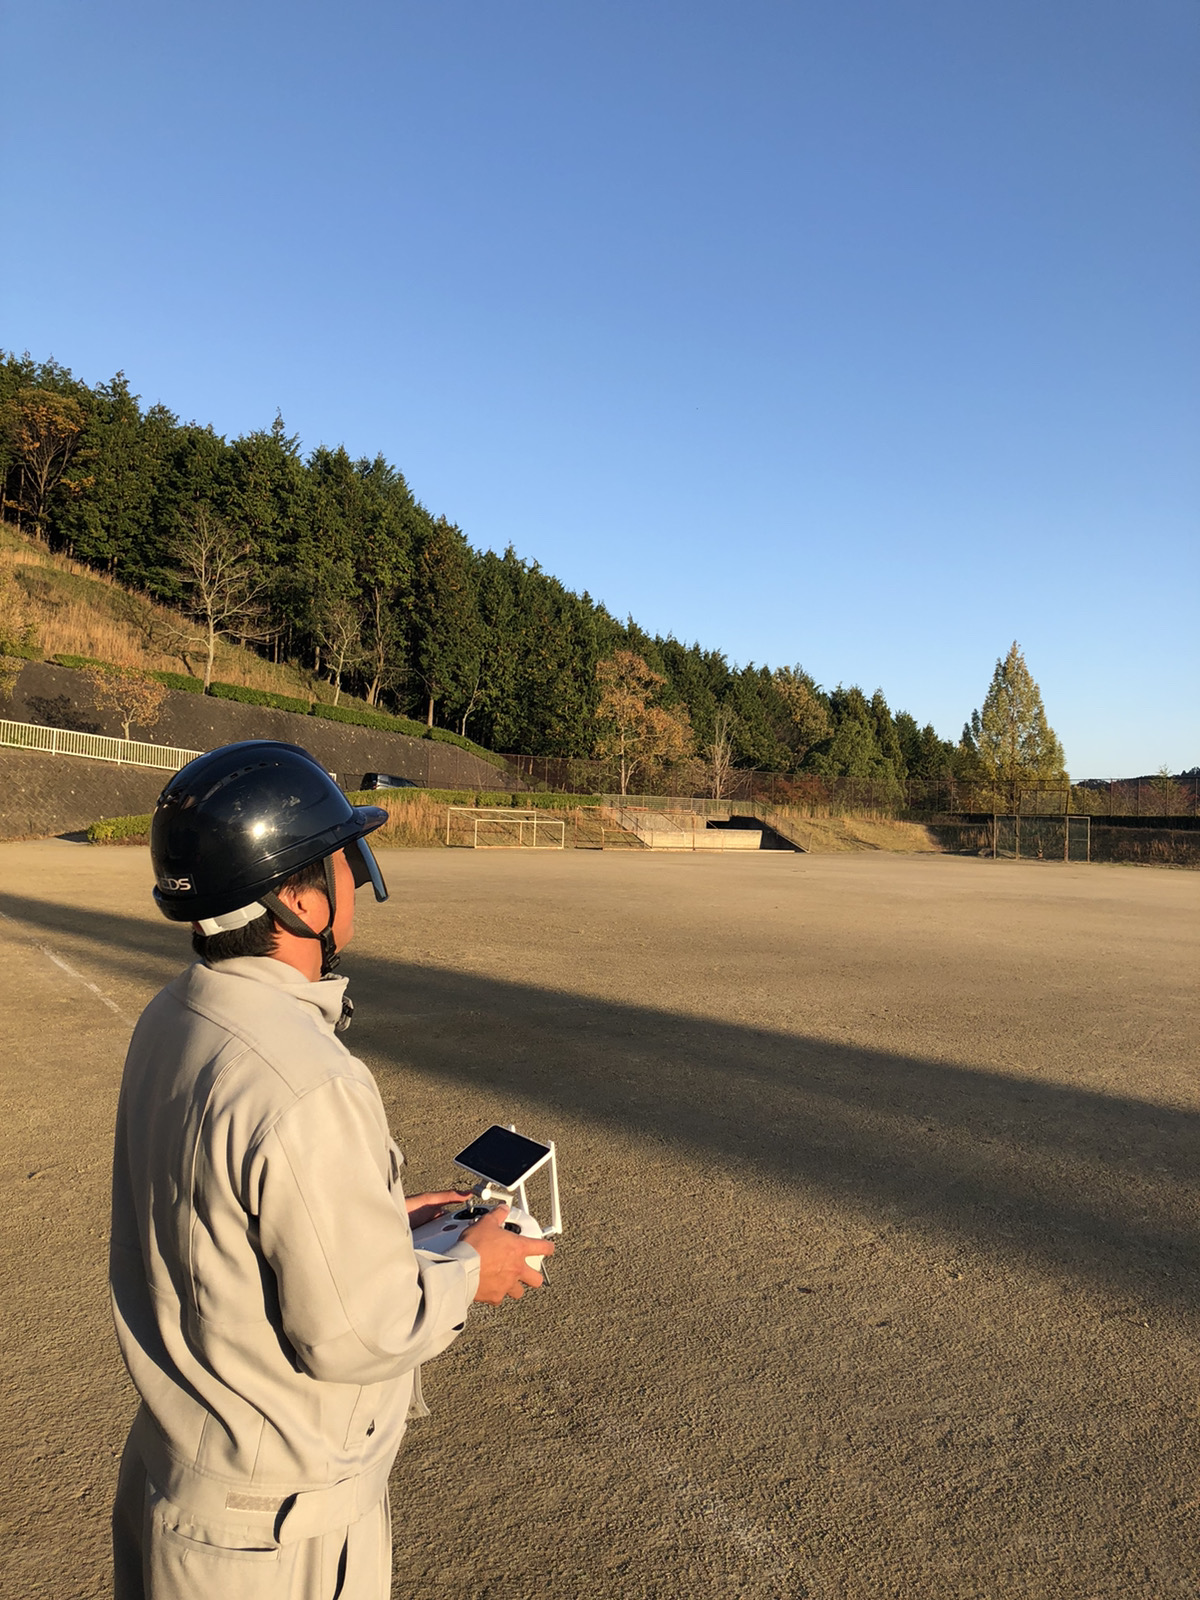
(444, 736)
(259, 697)
(380, 720)
(415, 730)
(78, 661)
(179, 681)
(119, 830)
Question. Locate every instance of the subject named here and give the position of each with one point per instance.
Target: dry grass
(823, 835)
(417, 823)
(82, 612)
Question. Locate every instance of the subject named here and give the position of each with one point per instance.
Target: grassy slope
(822, 835)
(81, 612)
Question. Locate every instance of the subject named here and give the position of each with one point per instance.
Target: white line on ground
(70, 971)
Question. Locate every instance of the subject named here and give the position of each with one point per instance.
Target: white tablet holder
(489, 1192)
(445, 1230)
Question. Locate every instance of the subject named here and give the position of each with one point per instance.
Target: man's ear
(308, 902)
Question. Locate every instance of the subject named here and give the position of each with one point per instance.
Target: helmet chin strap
(287, 918)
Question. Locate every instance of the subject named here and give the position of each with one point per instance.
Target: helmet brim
(366, 869)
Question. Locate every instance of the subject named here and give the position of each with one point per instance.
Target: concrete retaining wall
(57, 697)
(43, 794)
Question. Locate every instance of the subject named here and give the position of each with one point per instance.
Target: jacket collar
(324, 997)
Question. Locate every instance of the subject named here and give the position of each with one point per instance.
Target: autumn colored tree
(133, 695)
(1009, 735)
(635, 733)
(807, 709)
(44, 431)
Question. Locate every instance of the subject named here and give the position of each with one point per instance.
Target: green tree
(268, 497)
(391, 526)
(852, 749)
(886, 736)
(191, 481)
(925, 755)
(112, 516)
(1010, 736)
(447, 637)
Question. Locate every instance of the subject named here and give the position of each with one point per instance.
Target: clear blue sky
(860, 335)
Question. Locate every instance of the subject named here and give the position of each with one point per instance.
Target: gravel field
(880, 1176)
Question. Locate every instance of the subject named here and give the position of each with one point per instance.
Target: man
(269, 1304)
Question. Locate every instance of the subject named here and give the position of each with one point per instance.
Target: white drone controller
(503, 1161)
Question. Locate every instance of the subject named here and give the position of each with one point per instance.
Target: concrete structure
(683, 830)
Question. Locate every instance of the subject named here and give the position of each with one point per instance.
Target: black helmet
(232, 825)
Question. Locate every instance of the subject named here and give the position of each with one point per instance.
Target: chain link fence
(916, 797)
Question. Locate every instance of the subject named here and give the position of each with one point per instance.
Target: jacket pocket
(362, 1416)
(183, 1563)
(191, 1551)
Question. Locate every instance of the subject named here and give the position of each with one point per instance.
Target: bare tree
(473, 696)
(223, 590)
(339, 629)
(132, 694)
(382, 655)
(719, 753)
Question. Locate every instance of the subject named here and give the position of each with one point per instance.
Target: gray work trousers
(161, 1552)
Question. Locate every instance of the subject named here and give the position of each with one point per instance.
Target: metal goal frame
(534, 829)
(1075, 830)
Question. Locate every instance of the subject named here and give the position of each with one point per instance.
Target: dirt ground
(880, 1179)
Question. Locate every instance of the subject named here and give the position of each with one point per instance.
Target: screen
(502, 1156)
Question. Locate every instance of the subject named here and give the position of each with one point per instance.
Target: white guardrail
(95, 746)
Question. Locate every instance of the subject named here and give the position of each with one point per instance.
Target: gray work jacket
(269, 1304)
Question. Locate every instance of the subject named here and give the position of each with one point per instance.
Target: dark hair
(257, 938)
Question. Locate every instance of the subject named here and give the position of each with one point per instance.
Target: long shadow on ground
(1098, 1187)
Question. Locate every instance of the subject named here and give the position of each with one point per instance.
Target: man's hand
(503, 1269)
(422, 1208)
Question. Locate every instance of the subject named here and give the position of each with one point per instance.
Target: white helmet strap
(230, 920)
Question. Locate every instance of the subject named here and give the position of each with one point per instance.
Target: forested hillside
(333, 563)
